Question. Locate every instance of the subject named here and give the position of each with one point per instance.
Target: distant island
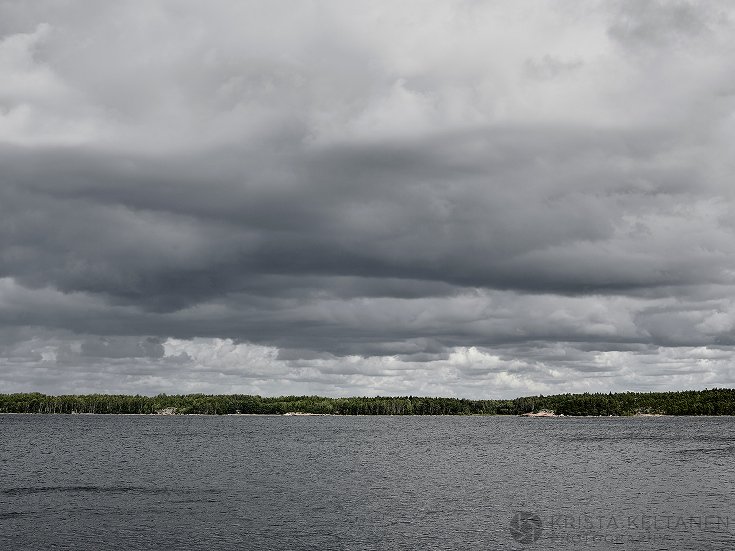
(691, 402)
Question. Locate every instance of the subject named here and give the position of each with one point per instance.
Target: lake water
(88, 482)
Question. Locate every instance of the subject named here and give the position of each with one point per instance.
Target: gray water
(92, 482)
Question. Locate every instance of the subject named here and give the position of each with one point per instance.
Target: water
(320, 483)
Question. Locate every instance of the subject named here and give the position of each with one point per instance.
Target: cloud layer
(455, 198)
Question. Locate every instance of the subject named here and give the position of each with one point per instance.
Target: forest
(703, 402)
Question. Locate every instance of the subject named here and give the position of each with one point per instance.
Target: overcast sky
(456, 198)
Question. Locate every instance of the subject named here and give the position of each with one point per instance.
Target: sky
(483, 199)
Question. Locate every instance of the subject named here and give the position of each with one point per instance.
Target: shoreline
(714, 402)
(299, 414)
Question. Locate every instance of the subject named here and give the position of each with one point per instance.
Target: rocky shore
(542, 413)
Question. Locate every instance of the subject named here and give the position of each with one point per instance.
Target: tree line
(704, 402)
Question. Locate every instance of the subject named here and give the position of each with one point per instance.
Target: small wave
(20, 491)
(725, 450)
(13, 514)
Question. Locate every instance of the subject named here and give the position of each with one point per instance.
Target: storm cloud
(446, 198)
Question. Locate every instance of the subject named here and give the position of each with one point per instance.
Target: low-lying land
(691, 402)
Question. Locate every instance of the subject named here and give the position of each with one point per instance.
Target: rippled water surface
(92, 482)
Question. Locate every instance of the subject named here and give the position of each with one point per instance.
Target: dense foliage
(706, 402)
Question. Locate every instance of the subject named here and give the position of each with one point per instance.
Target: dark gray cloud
(388, 200)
